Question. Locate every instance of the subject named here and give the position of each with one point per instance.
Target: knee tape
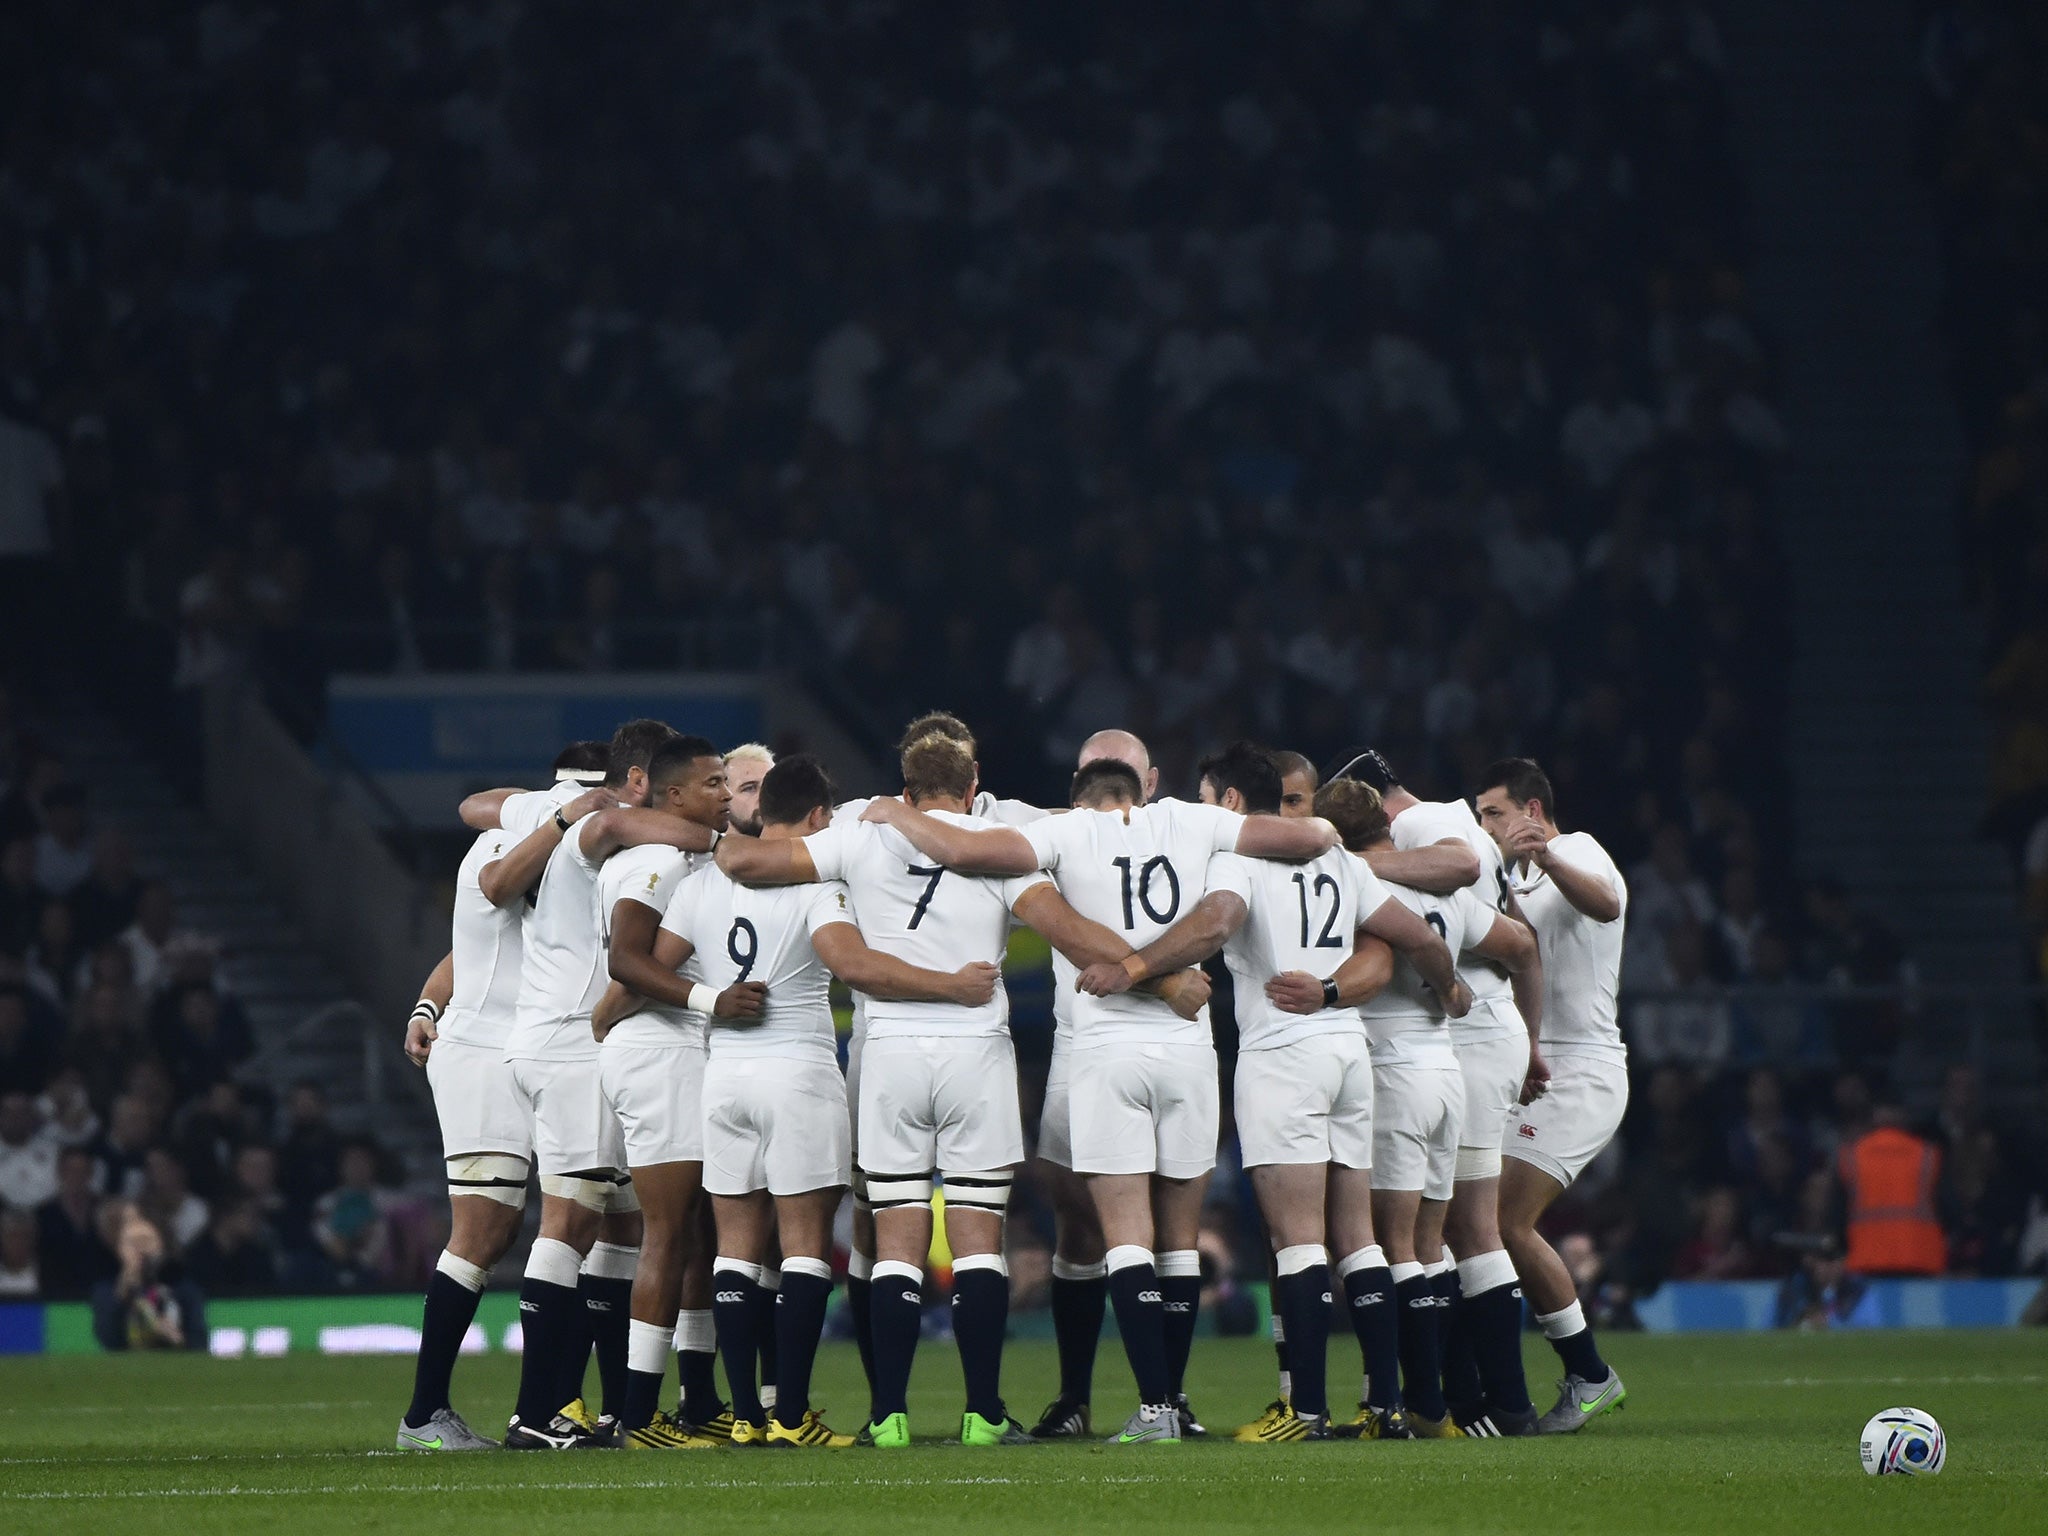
(495, 1176)
(622, 1201)
(979, 1191)
(592, 1191)
(1477, 1163)
(1178, 1264)
(888, 1192)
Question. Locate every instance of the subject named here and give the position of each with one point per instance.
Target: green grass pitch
(1721, 1434)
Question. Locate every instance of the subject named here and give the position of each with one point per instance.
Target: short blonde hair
(750, 752)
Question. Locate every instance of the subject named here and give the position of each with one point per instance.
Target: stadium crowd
(1985, 67)
(1413, 368)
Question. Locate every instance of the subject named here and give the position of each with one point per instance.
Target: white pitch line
(130, 1409)
(474, 1489)
(1892, 1381)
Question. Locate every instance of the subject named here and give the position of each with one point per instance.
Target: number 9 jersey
(1135, 871)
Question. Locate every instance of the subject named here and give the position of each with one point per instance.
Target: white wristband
(703, 999)
(427, 1009)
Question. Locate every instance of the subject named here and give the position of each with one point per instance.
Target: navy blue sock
(550, 1318)
(450, 1309)
(859, 1298)
(763, 1298)
(981, 1313)
(733, 1314)
(643, 1399)
(1493, 1325)
(896, 1312)
(1462, 1388)
(1369, 1297)
(799, 1320)
(1422, 1380)
(696, 1371)
(1305, 1312)
(1077, 1308)
(1141, 1319)
(573, 1362)
(1579, 1355)
(609, 1305)
(1180, 1299)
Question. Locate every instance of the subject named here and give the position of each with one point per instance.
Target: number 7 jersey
(1136, 872)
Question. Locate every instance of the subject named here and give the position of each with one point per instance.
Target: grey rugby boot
(443, 1431)
(1158, 1424)
(1580, 1401)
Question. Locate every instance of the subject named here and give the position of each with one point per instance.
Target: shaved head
(1123, 747)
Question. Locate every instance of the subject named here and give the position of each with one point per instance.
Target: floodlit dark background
(1657, 388)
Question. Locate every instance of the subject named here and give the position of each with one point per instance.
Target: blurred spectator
(151, 933)
(64, 847)
(28, 1155)
(145, 1305)
(309, 1160)
(1717, 1250)
(1822, 1293)
(25, 1054)
(166, 1199)
(352, 1224)
(202, 1035)
(124, 1149)
(20, 1273)
(73, 1255)
(237, 1255)
(1890, 1178)
(107, 901)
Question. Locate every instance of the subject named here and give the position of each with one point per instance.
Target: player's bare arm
(1207, 927)
(1368, 968)
(607, 832)
(508, 879)
(1424, 949)
(479, 812)
(420, 1029)
(766, 861)
(969, 850)
(1441, 868)
(1085, 942)
(847, 955)
(1289, 839)
(1592, 894)
(640, 961)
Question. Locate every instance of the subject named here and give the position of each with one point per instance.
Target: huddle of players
(662, 1032)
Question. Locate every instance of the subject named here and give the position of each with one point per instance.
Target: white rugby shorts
(1571, 1124)
(656, 1095)
(775, 1124)
(1306, 1102)
(1493, 1066)
(1416, 1114)
(935, 1102)
(479, 1108)
(574, 1130)
(1143, 1109)
(1055, 1117)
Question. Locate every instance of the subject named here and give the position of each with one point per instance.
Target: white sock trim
(817, 1269)
(1125, 1256)
(974, 1261)
(554, 1262)
(896, 1269)
(1406, 1272)
(860, 1266)
(1450, 1259)
(1067, 1269)
(742, 1267)
(612, 1261)
(1292, 1261)
(647, 1347)
(696, 1332)
(1563, 1323)
(771, 1278)
(1436, 1269)
(470, 1277)
(1179, 1264)
(1485, 1272)
(1279, 1329)
(1371, 1257)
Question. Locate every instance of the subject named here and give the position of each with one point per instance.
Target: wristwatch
(1331, 997)
(561, 821)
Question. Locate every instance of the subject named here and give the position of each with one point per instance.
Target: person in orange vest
(1889, 1175)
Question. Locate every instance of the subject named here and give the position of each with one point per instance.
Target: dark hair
(937, 764)
(1249, 769)
(1523, 780)
(1294, 762)
(633, 745)
(793, 788)
(673, 758)
(1354, 808)
(584, 757)
(1105, 778)
(1368, 765)
(937, 723)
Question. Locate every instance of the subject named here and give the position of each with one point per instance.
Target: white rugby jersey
(1136, 872)
(1581, 958)
(1406, 1018)
(1298, 917)
(1434, 821)
(922, 913)
(651, 875)
(763, 933)
(485, 939)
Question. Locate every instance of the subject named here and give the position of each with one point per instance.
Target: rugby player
(1573, 896)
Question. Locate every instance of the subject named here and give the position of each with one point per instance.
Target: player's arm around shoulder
(1290, 839)
(848, 956)
(1439, 868)
(778, 861)
(967, 850)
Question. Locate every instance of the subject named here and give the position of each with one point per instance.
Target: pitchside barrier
(389, 1325)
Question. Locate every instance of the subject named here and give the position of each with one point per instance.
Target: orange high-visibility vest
(1890, 1175)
